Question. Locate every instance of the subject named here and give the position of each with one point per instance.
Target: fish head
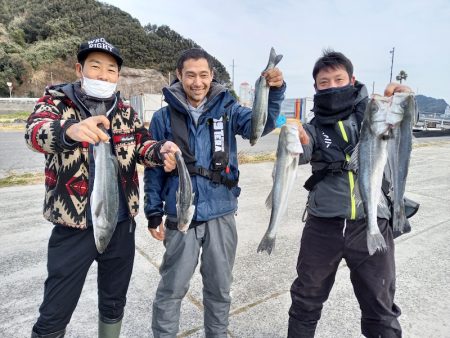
(289, 136)
(397, 109)
(376, 112)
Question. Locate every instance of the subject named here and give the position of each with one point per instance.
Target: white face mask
(97, 88)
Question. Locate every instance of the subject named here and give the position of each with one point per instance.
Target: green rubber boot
(109, 328)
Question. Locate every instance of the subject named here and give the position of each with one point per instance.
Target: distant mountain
(429, 105)
(39, 40)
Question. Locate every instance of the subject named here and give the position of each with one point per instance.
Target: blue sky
(363, 30)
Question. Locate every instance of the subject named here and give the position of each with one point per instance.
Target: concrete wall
(17, 105)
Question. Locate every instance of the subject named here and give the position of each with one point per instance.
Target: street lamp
(9, 84)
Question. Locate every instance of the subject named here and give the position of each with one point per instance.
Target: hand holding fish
(274, 77)
(168, 150)
(302, 134)
(394, 87)
(88, 130)
(159, 233)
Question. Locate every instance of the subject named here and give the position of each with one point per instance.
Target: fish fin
(399, 219)
(357, 194)
(99, 207)
(274, 59)
(353, 164)
(278, 59)
(269, 200)
(266, 244)
(376, 242)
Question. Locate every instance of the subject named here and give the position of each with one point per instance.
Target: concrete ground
(261, 283)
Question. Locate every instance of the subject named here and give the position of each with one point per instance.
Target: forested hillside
(39, 40)
(429, 105)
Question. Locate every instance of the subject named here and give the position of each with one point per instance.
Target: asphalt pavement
(260, 291)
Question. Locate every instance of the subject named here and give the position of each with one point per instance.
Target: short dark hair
(334, 60)
(196, 54)
(98, 45)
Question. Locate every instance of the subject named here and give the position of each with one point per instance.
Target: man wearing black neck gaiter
(335, 227)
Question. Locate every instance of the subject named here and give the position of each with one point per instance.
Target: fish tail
(278, 59)
(376, 242)
(100, 245)
(274, 58)
(267, 244)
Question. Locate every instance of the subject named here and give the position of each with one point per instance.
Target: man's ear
(78, 70)
(352, 80)
(178, 75)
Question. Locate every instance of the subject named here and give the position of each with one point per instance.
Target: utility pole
(9, 84)
(392, 62)
(232, 75)
(373, 87)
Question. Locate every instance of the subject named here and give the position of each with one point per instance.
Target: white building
(245, 94)
(447, 112)
(146, 104)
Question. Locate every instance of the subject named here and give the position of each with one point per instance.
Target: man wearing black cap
(65, 125)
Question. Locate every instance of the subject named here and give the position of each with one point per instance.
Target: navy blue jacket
(212, 200)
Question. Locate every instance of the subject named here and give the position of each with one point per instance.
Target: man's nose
(197, 81)
(103, 75)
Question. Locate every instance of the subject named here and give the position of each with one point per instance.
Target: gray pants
(218, 240)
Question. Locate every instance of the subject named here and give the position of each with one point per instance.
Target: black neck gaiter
(334, 104)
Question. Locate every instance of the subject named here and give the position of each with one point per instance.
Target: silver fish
(372, 158)
(185, 196)
(283, 174)
(105, 195)
(261, 101)
(402, 115)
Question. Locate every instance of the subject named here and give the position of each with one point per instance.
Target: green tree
(36, 34)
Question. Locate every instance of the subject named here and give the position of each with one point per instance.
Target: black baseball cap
(99, 45)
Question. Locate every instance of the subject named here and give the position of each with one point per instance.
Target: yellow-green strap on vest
(351, 177)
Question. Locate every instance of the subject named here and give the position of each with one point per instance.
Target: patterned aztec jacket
(67, 165)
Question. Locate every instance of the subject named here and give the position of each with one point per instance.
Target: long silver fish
(372, 158)
(283, 174)
(402, 117)
(261, 101)
(185, 196)
(105, 195)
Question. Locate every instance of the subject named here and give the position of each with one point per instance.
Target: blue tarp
(281, 120)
